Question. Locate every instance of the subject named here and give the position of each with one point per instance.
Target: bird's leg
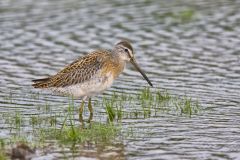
(90, 106)
(81, 111)
(90, 110)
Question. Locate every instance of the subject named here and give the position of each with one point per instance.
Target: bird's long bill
(142, 73)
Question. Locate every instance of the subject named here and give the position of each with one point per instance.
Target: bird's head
(124, 50)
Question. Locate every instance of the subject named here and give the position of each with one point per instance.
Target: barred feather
(80, 71)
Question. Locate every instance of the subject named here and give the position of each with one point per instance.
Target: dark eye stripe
(126, 50)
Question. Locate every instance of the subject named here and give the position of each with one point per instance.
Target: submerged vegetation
(96, 132)
(64, 128)
(2, 150)
(148, 102)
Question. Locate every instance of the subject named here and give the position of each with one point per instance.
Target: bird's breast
(97, 84)
(113, 68)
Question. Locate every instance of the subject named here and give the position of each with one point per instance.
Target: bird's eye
(126, 50)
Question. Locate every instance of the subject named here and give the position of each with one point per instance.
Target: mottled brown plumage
(91, 74)
(79, 71)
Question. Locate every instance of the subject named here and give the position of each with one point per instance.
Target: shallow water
(186, 47)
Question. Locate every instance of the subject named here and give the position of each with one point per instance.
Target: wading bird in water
(92, 74)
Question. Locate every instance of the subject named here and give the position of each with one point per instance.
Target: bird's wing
(81, 70)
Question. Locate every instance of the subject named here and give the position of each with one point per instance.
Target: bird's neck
(118, 63)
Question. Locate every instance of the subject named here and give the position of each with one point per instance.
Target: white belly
(89, 88)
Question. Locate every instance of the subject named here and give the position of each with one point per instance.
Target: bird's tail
(41, 83)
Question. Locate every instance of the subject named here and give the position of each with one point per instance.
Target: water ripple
(194, 55)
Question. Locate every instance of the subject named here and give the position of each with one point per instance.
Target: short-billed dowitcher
(91, 74)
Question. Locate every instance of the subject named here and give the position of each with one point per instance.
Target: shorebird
(92, 74)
